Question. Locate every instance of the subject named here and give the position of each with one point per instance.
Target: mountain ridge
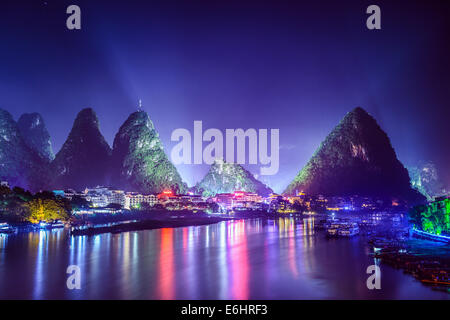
(139, 162)
(36, 136)
(84, 158)
(224, 177)
(356, 158)
(19, 164)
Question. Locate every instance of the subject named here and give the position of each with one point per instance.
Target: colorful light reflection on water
(243, 259)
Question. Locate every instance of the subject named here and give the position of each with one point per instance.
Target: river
(281, 258)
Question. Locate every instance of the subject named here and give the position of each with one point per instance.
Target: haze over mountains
(355, 158)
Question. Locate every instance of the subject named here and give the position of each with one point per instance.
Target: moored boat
(332, 232)
(349, 230)
(6, 228)
(342, 229)
(333, 229)
(55, 224)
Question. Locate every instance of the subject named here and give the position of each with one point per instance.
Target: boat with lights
(6, 228)
(342, 229)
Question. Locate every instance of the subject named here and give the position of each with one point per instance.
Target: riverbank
(155, 220)
(148, 224)
(427, 261)
(142, 220)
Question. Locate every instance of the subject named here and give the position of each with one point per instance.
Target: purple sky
(294, 66)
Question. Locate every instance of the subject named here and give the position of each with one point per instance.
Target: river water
(283, 258)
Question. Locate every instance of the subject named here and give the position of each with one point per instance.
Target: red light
(165, 193)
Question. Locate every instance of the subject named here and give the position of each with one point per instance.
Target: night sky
(297, 66)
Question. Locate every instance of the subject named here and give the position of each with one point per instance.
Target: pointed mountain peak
(218, 162)
(84, 157)
(6, 117)
(227, 177)
(32, 120)
(4, 113)
(139, 118)
(34, 132)
(359, 111)
(220, 165)
(8, 127)
(87, 112)
(20, 165)
(138, 159)
(86, 117)
(357, 116)
(356, 158)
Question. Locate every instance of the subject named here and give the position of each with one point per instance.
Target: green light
(434, 218)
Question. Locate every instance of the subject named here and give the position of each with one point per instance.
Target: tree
(4, 191)
(12, 204)
(79, 202)
(22, 194)
(17, 210)
(213, 207)
(298, 206)
(434, 218)
(415, 214)
(46, 209)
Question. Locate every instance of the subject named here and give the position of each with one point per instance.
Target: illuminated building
(59, 193)
(165, 196)
(238, 199)
(225, 200)
(294, 199)
(247, 196)
(70, 193)
(98, 196)
(279, 204)
(117, 197)
(192, 198)
(134, 200)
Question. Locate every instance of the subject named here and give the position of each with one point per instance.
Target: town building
(99, 196)
(117, 197)
(225, 200)
(70, 193)
(238, 200)
(59, 193)
(134, 200)
(192, 198)
(280, 205)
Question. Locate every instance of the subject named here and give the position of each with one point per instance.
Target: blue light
(438, 237)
